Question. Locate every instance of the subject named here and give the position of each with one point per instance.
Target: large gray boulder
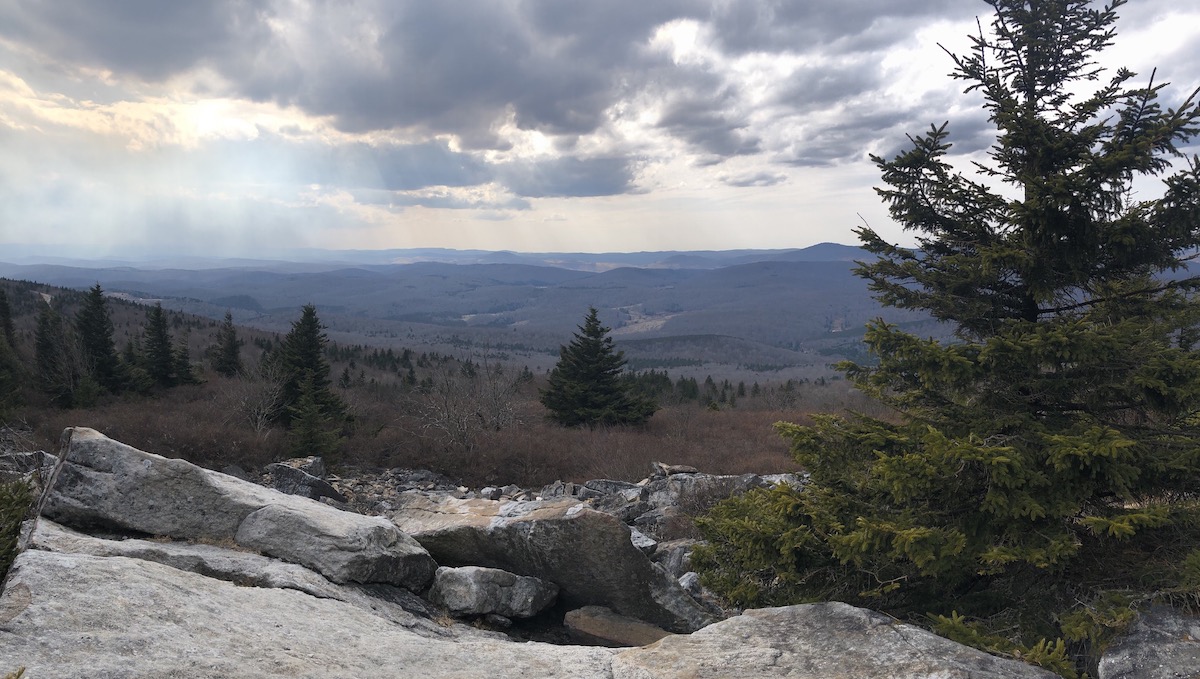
(588, 554)
(344, 547)
(815, 641)
(1163, 644)
(109, 485)
(474, 590)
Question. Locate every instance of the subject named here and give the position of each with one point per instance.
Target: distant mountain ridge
(763, 307)
(311, 260)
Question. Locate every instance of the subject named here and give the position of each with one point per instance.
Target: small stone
(662, 469)
(690, 581)
(642, 541)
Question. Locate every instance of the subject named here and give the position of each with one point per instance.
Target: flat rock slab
(69, 615)
(72, 615)
(109, 485)
(1163, 644)
(245, 569)
(588, 554)
(815, 641)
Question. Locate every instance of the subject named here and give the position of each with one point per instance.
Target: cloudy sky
(238, 126)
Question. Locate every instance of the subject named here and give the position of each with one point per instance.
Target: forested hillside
(469, 412)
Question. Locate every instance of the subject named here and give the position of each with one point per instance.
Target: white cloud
(622, 125)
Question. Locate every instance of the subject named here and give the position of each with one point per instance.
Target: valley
(744, 314)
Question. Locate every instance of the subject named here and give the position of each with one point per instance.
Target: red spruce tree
(301, 361)
(94, 326)
(1051, 451)
(586, 387)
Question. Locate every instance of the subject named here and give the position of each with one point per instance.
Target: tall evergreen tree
(94, 326)
(586, 387)
(302, 357)
(1050, 451)
(10, 378)
(61, 371)
(227, 358)
(48, 354)
(10, 364)
(160, 359)
(184, 373)
(312, 430)
(7, 327)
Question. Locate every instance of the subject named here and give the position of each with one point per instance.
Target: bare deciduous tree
(256, 400)
(465, 401)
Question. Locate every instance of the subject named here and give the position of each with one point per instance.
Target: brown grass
(200, 424)
(187, 423)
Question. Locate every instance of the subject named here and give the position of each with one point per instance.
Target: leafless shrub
(255, 401)
(465, 401)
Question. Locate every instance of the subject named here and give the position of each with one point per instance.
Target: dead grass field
(203, 424)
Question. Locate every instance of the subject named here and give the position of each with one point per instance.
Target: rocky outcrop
(587, 553)
(66, 615)
(72, 615)
(815, 641)
(1163, 644)
(109, 485)
(476, 591)
(208, 598)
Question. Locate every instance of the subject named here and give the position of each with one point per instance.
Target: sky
(239, 127)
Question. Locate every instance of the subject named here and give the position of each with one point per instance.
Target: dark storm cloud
(416, 166)
(872, 126)
(461, 67)
(568, 177)
(852, 138)
(755, 179)
(379, 172)
(829, 27)
(458, 66)
(399, 201)
(819, 86)
(709, 128)
(385, 166)
(151, 39)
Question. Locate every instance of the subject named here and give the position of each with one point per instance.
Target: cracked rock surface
(236, 580)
